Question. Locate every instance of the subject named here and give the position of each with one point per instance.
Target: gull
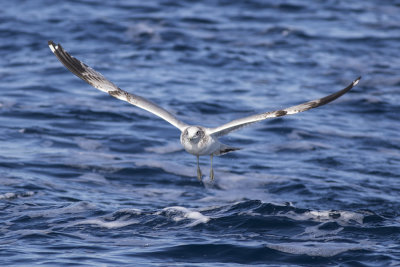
(196, 140)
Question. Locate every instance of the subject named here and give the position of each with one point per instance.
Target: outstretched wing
(239, 123)
(98, 81)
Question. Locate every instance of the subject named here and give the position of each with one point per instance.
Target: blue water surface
(88, 180)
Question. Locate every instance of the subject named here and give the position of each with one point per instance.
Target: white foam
(181, 213)
(341, 217)
(107, 224)
(11, 195)
(7, 195)
(109, 221)
(321, 249)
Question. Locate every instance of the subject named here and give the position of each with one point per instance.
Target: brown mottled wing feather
(239, 123)
(98, 81)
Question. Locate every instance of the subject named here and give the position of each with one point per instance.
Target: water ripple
(88, 180)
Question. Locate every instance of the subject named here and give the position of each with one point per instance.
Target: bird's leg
(211, 170)
(198, 169)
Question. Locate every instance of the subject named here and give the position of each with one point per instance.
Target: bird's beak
(192, 138)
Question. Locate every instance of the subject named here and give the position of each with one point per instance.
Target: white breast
(206, 146)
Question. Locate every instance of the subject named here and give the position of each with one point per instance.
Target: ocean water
(88, 180)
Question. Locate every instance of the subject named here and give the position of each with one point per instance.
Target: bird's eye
(198, 133)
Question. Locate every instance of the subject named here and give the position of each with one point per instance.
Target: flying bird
(196, 140)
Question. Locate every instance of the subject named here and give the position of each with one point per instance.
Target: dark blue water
(87, 180)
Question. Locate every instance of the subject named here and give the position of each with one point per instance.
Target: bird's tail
(223, 149)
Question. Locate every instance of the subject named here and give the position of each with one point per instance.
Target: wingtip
(52, 45)
(356, 81)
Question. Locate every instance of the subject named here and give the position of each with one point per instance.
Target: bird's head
(194, 134)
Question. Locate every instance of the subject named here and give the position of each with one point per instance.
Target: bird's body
(196, 140)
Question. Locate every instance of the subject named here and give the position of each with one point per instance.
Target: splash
(178, 213)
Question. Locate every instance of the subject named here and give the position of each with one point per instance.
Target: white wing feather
(98, 81)
(239, 123)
